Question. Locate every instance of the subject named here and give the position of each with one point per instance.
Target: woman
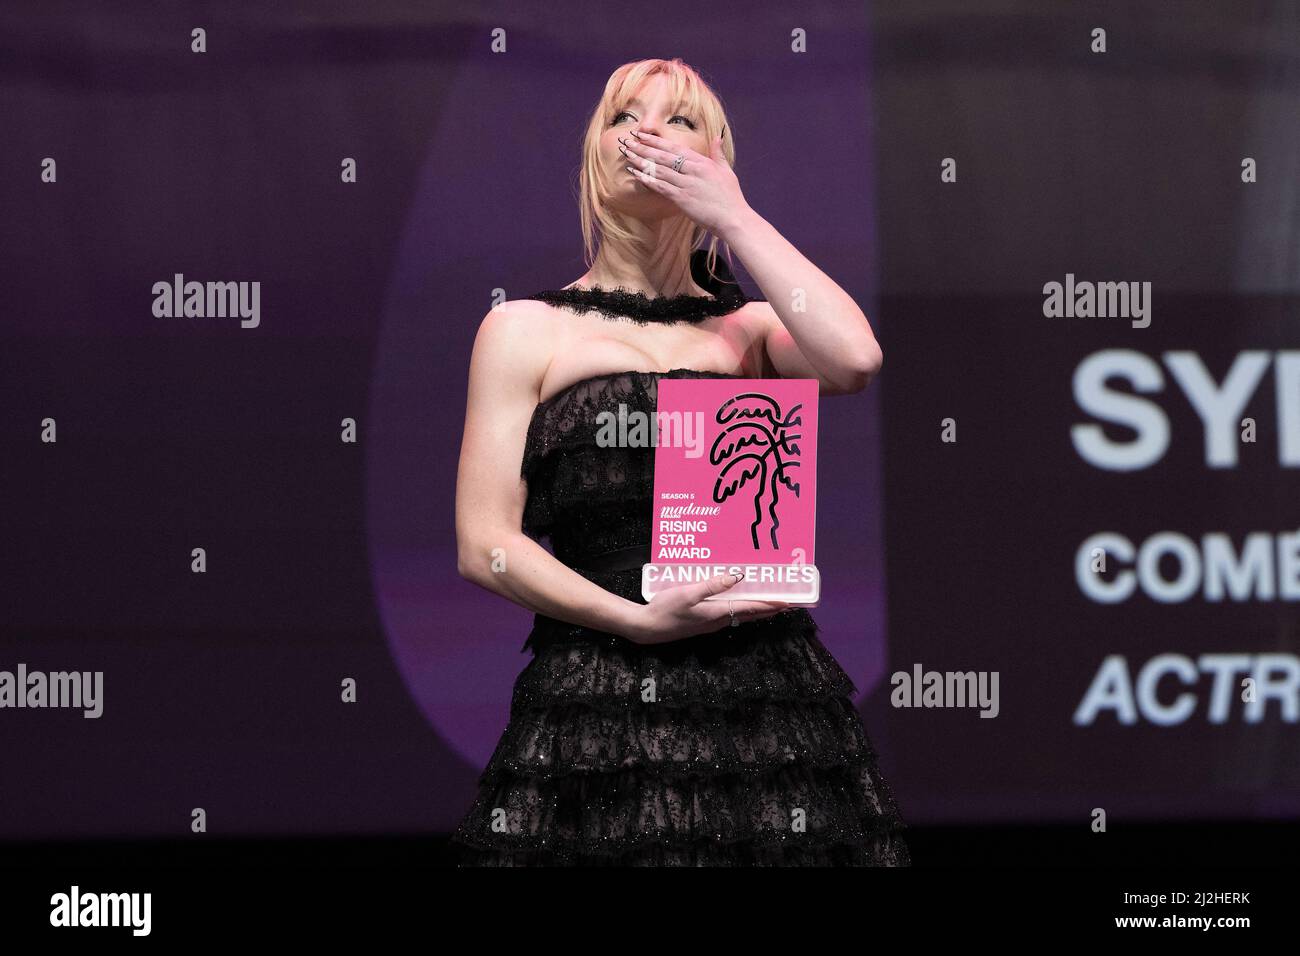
(655, 733)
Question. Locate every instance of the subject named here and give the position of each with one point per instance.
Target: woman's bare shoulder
(515, 342)
(520, 316)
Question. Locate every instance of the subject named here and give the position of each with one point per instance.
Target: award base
(796, 584)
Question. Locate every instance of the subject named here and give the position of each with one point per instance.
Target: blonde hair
(688, 92)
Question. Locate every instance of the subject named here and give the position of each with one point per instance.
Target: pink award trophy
(735, 487)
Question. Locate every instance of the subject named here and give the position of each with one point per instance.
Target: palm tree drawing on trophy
(758, 449)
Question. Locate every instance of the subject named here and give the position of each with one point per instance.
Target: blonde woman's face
(650, 111)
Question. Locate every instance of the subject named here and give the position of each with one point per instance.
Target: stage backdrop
(1099, 513)
(1090, 247)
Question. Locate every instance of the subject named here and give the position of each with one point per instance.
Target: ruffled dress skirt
(737, 748)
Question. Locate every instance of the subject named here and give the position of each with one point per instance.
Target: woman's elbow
(864, 368)
(466, 565)
(476, 568)
(874, 361)
(478, 560)
(472, 559)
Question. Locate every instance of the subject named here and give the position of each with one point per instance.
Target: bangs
(684, 92)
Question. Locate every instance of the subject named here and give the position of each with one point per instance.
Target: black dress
(748, 752)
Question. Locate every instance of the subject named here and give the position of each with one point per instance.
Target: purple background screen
(330, 561)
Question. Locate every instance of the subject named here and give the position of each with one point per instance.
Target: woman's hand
(706, 190)
(683, 611)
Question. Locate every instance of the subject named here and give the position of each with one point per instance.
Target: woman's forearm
(520, 570)
(828, 326)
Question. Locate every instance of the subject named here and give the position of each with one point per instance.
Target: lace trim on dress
(623, 303)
